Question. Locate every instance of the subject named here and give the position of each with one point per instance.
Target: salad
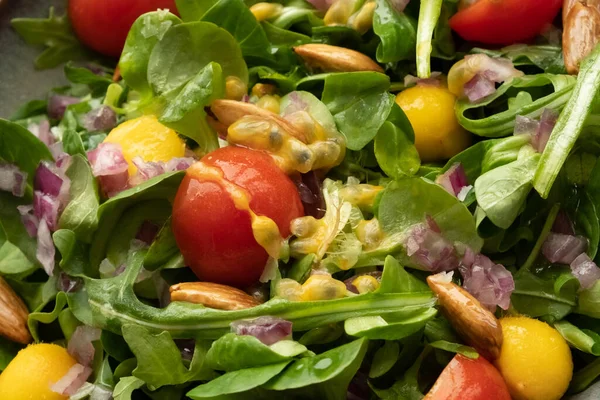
(321, 199)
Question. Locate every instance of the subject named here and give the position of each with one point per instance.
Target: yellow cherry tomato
(430, 109)
(535, 360)
(147, 138)
(31, 374)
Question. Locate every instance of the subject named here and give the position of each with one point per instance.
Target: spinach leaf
(161, 187)
(286, 83)
(159, 360)
(384, 359)
(30, 109)
(295, 12)
(429, 13)
(80, 215)
(493, 117)
(233, 352)
(325, 376)
(55, 34)
(145, 32)
(126, 386)
(455, 348)
(408, 201)
(113, 304)
(501, 192)
(589, 301)
(395, 151)
(395, 279)
(397, 31)
(193, 10)
(72, 143)
(360, 104)
(97, 83)
(578, 339)
(17, 248)
(393, 328)
(570, 124)
(75, 254)
(283, 37)
(240, 382)
(406, 388)
(20, 147)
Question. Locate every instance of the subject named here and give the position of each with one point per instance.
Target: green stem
(585, 376)
(542, 238)
(428, 17)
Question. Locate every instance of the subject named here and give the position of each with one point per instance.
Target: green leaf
(146, 31)
(397, 31)
(80, 215)
(393, 328)
(163, 248)
(360, 104)
(38, 316)
(583, 378)
(8, 351)
(17, 248)
(193, 10)
(406, 388)
(72, 143)
(55, 34)
(395, 279)
(115, 346)
(384, 359)
(589, 301)
(578, 338)
(429, 13)
(395, 151)
(85, 76)
(455, 348)
(301, 268)
(237, 382)
(20, 147)
(570, 123)
(233, 352)
(126, 386)
(159, 359)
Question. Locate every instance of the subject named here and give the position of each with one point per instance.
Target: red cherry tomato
(504, 21)
(214, 236)
(467, 379)
(103, 24)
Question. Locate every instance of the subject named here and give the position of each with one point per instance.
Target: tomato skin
(103, 24)
(215, 237)
(504, 22)
(467, 379)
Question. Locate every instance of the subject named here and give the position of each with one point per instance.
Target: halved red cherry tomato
(504, 21)
(216, 237)
(467, 379)
(103, 24)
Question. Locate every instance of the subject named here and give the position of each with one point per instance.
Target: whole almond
(212, 295)
(335, 59)
(13, 315)
(474, 323)
(581, 33)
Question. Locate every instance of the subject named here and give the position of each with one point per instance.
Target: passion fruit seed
(265, 11)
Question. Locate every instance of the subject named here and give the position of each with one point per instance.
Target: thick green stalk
(428, 18)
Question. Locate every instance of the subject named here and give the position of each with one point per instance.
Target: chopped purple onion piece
(428, 248)
(81, 347)
(42, 132)
(12, 179)
(585, 270)
(525, 126)
(48, 179)
(321, 5)
(150, 169)
(296, 103)
(73, 380)
(563, 224)
(488, 282)
(110, 167)
(311, 194)
(563, 249)
(453, 180)
(147, 232)
(542, 135)
(433, 80)
(179, 164)
(103, 118)
(30, 221)
(45, 249)
(46, 207)
(479, 87)
(68, 284)
(57, 105)
(267, 329)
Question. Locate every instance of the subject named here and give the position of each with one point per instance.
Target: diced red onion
(429, 249)
(147, 232)
(42, 132)
(479, 87)
(30, 221)
(12, 179)
(542, 135)
(488, 282)
(563, 224)
(311, 194)
(103, 118)
(179, 163)
(585, 270)
(110, 167)
(267, 329)
(525, 126)
(150, 169)
(68, 284)
(295, 105)
(433, 80)
(399, 5)
(81, 347)
(45, 248)
(453, 180)
(563, 249)
(46, 207)
(48, 179)
(57, 105)
(321, 5)
(74, 379)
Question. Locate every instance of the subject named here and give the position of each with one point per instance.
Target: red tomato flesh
(103, 25)
(504, 22)
(215, 237)
(468, 379)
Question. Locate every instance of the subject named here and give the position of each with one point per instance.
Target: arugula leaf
(360, 104)
(397, 31)
(384, 359)
(17, 248)
(570, 124)
(55, 34)
(126, 386)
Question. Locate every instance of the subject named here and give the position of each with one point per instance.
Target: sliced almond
(229, 111)
(212, 295)
(335, 59)
(474, 323)
(13, 315)
(581, 33)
